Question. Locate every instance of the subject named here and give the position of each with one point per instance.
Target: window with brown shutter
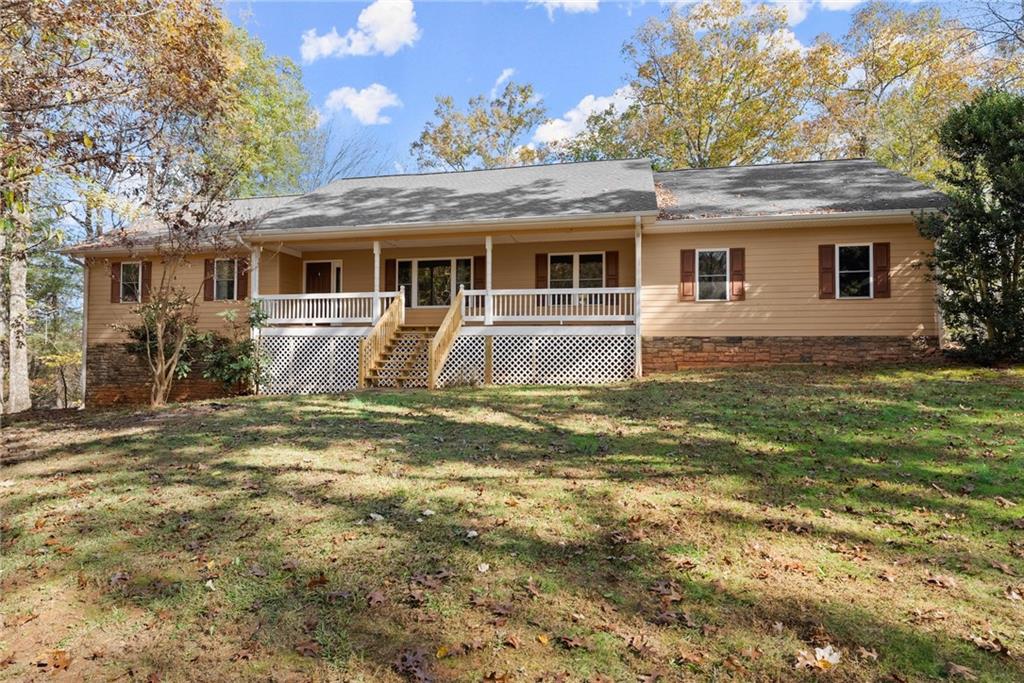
(687, 274)
(737, 274)
(115, 282)
(479, 272)
(881, 266)
(391, 277)
(208, 271)
(826, 271)
(611, 269)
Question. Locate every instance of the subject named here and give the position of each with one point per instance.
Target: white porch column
(638, 292)
(254, 283)
(488, 302)
(376, 280)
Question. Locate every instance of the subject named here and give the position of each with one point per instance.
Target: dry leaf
(941, 580)
(957, 671)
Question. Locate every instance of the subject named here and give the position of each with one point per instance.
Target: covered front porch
(506, 278)
(431, 311)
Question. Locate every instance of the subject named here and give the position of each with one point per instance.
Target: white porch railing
(549, 305)
(310, 309)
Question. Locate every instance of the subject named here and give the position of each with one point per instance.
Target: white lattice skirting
(539, 359)
(329, 364)
(311, 365)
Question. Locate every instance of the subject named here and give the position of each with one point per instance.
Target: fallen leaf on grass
(483, 567)
(317, 581)
(940, 580)
(413, 665)
(824, 658)
(543, 639)
(571, 642)
(992, 644)
(866, 654)
(1013, 594)
(1004, 568)
(375, 598)
(962, 672)
(59, 659)
(1004, 502)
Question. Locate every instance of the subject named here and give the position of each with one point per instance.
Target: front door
(318, 277)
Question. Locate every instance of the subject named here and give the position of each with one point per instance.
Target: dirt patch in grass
(768, 524)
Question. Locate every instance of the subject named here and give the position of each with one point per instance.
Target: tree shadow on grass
(197, 489)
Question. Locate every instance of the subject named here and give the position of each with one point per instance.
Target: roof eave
(383, 229)
(780, 221)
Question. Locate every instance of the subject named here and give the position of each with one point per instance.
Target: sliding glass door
(434, 282)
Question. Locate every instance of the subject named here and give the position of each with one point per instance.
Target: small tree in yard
(978, 260)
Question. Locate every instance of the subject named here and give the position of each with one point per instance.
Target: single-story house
(561, 273)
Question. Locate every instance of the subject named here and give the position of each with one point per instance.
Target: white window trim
(576, 266)
(337, 274)
(728, 274)
(235, 263)
(871, 271)
(413, 296)
(120, 284)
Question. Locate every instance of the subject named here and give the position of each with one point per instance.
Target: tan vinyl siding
(782, 286)
(104, 316)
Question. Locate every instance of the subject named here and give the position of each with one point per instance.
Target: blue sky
(375, 67)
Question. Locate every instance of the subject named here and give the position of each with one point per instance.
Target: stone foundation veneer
(116, 377)
(673, 353)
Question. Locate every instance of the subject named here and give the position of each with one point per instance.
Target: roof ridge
(772, 163)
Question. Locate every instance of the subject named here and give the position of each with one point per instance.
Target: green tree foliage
(263, 134)
(978, 260)
(490, 132)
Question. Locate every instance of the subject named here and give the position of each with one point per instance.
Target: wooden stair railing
(442, 343)
(371, 349)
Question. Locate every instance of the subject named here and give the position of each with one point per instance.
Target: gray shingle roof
(798, 188)
(548, 191)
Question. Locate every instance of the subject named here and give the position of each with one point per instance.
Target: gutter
(774, 222)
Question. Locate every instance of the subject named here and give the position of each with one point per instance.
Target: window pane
(463, 273)
(712, 263)
(434, 283)
(591, 270)
(129, 282)
(224, 279)
(712, 288)
(560, 271)
(855, 258)
(855, 284)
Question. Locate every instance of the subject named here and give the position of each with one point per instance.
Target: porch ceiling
(450, 240)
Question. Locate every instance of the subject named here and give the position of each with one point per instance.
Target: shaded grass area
(707, 525)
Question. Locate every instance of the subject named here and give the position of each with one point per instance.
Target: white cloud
(796, 10)
(789, 40)
(567, 6)
(365, 105)
(383, 28)
(839, 5)
(504, 76)
(574, 120)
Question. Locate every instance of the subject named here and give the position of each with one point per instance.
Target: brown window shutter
(540, 271)
(826, 271)
(208, 280)
(881, 260)
(611, 269)
(687, 274)
(479, 272)
(115, 282)
(243, 279)
(147, 280)
(737, 274)
(391, 276)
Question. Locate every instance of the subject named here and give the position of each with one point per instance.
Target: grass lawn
(709, 525)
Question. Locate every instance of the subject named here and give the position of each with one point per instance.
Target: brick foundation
(672, 353)
(116, 377)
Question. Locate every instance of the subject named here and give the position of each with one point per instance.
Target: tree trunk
(19, 398)
(4, 311)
